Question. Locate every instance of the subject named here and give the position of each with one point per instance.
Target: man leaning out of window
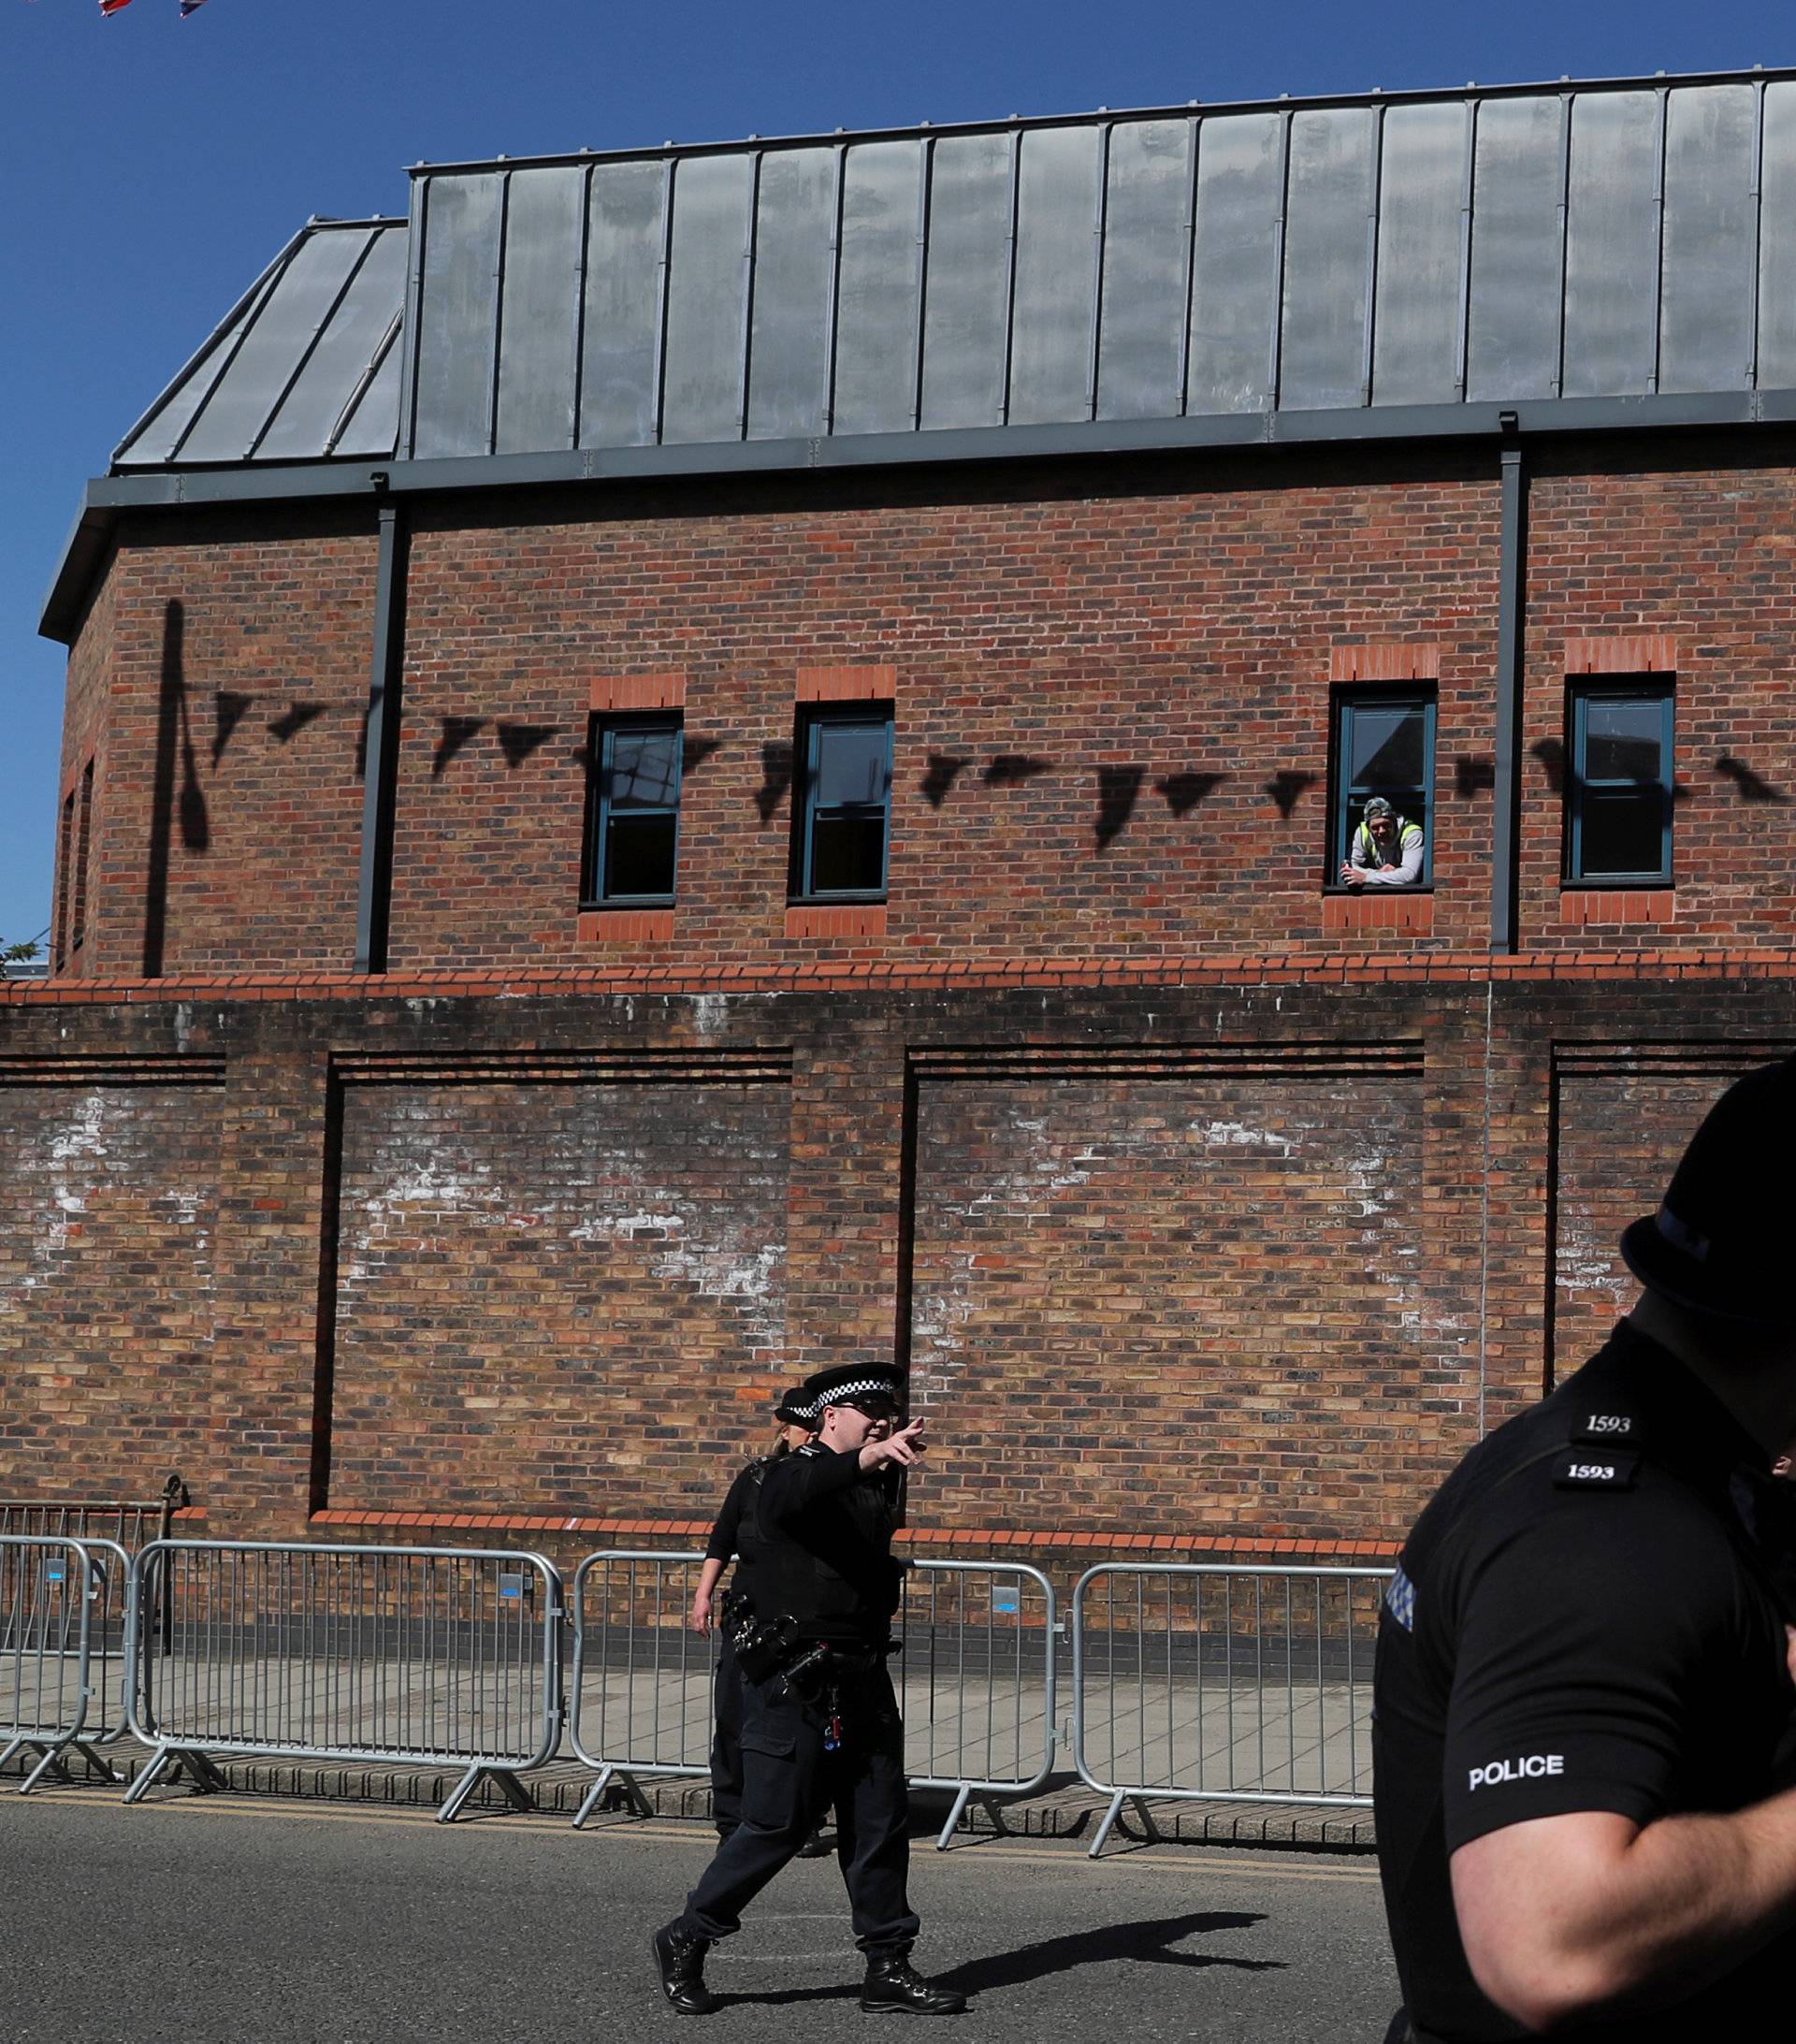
(1387, 849)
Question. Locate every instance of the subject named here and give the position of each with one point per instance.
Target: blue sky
(152, 166)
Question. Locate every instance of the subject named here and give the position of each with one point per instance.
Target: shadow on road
(1150, 1942)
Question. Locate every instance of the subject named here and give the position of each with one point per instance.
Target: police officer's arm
(1564, 1917)
(718, 1550)
(798, 1480)
(1568, 1728)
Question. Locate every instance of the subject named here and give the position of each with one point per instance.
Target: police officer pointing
(1584, 1736)
(819, 1722)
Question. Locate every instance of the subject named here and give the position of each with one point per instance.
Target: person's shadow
(1150, 1943)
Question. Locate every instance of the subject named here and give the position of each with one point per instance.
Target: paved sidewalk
(1065, 1807)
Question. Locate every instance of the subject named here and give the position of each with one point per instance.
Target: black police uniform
(1589, 1617)
(732, 1534)
(823, 1557)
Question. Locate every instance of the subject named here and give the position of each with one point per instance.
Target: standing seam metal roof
(1609, 240)
(305, 365)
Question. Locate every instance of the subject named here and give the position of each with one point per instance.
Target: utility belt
(813, 1672)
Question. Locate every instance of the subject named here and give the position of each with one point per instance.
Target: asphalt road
(231, 1920)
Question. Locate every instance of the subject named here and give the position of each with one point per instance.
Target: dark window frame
(1346, 802)
(603, 732)
(813, 719)
(1579, 695)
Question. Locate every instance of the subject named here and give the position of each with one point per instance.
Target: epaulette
(1603, 1452)
(810, 1447)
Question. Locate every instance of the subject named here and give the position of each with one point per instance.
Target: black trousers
(789, 1780)
(726, 1739)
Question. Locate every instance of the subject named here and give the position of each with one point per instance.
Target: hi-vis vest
(1364, 843)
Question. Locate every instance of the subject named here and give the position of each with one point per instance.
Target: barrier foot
(514, 1790)
(52, 1762)
(1104, 1829)
(178, 1759)
(962, 1796)
(609, 1776)
(7, 1751)
(100, 1765)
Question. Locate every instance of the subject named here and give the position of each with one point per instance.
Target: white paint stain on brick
(96, 1143)
(426, 1175)
(710, 1014)
(1238, 1136)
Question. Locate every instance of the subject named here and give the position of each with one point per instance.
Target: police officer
(734, 1534)
(1585, 1733)
(832, 1732)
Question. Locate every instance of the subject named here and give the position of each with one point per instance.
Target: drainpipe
(1511, 615)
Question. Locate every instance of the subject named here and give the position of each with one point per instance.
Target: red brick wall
(559, 1296)
(1109, 686)
(1696, 548)
(109, 1221)
(85, 733)
(1165, 642)
(228, 810)
(1175, 1262)
(1623, 1115)
(1194, 1300)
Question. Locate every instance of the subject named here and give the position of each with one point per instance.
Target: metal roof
(1614, 240)
(1607, 241)
(303, 367)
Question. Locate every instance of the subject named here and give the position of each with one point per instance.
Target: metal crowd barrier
(62, 1661)
(128, 1523)
(1193, 1682)
(422, 1657)
(975, 1681)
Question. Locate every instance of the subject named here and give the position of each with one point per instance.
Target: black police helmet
(1720, 1241)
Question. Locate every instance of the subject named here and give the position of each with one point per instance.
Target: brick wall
(1174, 1262)
(1111, 724)
(558, 1291)
(85, 733)
(234, 653)
(1694, 549)
(110, 1185)
(1111, 695)
(1151, 1297)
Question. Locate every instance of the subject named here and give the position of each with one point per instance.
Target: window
(64, 879)
(636, 810)
(843, 820)
(1619, 789)
(1384, 744)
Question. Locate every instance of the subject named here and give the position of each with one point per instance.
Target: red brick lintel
(930, 1536)
(845, 684)
(613, 693)
(1639, 653)
(1271, 968)
(1398, 661)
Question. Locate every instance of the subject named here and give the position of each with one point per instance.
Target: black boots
(680, 1955)
(891, 1985)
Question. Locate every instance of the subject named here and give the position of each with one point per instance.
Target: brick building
(694, 764)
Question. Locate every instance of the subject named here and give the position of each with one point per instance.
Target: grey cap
(1377, 805)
